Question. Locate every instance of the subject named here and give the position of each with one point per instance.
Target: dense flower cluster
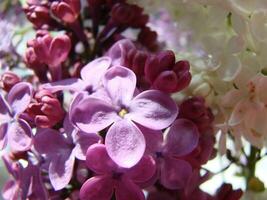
(96, 120)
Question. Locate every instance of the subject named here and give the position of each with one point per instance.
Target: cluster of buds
(45, 109)
(159, 71)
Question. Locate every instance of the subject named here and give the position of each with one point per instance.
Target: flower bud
(46, 111)
(38, 13)
(8, 80)
(67, 10)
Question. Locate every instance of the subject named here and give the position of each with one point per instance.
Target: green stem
(251, 164)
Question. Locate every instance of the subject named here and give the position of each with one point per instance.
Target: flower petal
(92, 115)
(153, 109)
(126, 189)
(4, 111)
(93, 72)
(98, 160)
(239, 112)
(117, 52)
(182, 137)
(61, 169)
(72, 84)
(49, 141)
(10, 190)
(154, 139)
(120, 83)
(144, 170)
(83, 141)
(175, 173)
(19, 135)
(19, 97)
(125, 143)
(3, 133)
(97, 188)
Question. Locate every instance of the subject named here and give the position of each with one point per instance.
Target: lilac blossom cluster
(121, 133)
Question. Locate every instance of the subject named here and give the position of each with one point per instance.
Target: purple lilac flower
(90, 81)
(15, 131)
(61, 149)
(182, 138)
(124, 141)
(110, 177)
(26, 183)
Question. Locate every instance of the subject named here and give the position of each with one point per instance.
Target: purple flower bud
(8, 80)
(38, 13)
(124, 14)
(226, 192)
(46, 111)
(148, 38)
(66, 10)
(166, 75)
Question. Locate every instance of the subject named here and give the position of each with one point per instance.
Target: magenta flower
(15, 131)
(26, 183)
(90, 81)
(61, 149)
(124, 141)
(182, 138)
(110, 177)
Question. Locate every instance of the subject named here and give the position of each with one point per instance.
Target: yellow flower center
(123, 112)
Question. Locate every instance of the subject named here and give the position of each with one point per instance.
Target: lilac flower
(124, 141)
(110, 177)
(90, 81)
(26, 182)
(182, 138)
(13, 130)
(61, 150)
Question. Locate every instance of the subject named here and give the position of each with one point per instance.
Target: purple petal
(10, 190)
(118, 51)
(60, 170)
(19, 97)
(83, 141)
(175, 173)
(126, 189)
(98, 160)
(4, 111)
(93, 72)
(144, 170)
(3, 133)
(120, 83)
(49, 142)
(92, 115)
(72, 84)
(125, 143)
(153, 109)
(182, 137)
(68, 127)
(154, 139)
(38, 188)
(97, 188)
(19, 135)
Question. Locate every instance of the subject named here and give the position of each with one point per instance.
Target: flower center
(123, 112)
(117, 175)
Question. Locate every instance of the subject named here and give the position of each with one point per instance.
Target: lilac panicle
(15, 131)
(109, 177)
(61, 149)
(152, 109)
